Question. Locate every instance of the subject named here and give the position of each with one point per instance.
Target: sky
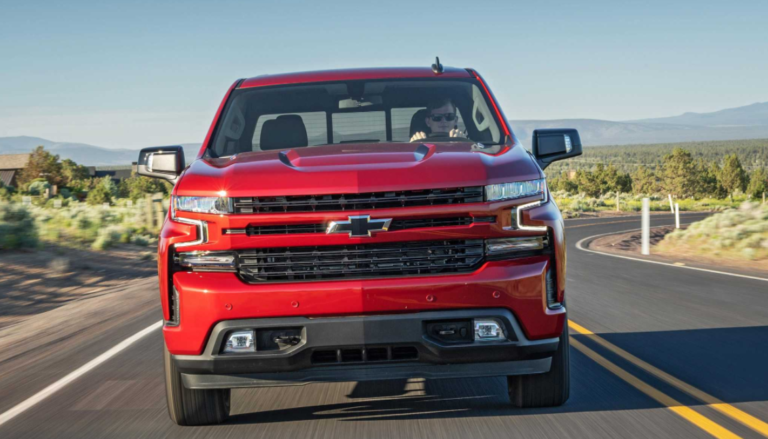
(131, 74)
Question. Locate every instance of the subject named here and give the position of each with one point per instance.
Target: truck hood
(357, 168)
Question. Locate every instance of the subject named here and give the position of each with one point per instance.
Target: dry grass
(734, 234)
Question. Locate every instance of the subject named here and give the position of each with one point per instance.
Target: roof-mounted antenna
(437, 67)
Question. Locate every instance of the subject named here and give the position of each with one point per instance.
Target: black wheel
(193, 407)
(545, 389)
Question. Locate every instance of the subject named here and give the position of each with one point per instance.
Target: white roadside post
(671, 206)
(646, 225)
(677, 215)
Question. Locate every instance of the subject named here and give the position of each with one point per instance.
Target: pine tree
(588, 181)
(708, 184)
(758, 183)
(733, 177)
(644, 181)
(679, 173)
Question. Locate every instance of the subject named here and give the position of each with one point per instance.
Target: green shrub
(99, 195)
(64, 202)
(38, 187)
(17, 227)
(107, 237)
(6, 192)
(739, 233)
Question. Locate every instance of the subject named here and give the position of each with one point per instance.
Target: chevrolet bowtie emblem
(359, 226)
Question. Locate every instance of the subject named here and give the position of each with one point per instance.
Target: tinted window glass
(354, 111)
(370, 126)
(315, 124)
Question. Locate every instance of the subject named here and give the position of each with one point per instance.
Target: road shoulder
(627, 244)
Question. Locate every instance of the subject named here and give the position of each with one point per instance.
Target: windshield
(431, 110)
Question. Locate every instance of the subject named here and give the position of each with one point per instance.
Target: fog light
(207, 261)
(240, 341)
(488, 330)
(514, 245)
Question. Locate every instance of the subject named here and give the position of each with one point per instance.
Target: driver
(441, 118)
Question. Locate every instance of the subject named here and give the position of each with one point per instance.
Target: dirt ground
(33, 282)
(630, 244)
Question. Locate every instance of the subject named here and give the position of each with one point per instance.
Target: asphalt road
(705, 329)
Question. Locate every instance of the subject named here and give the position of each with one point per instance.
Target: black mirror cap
(166, 162)
(554, 144)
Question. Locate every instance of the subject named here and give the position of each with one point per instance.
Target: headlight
(518, 189)
(202, 204)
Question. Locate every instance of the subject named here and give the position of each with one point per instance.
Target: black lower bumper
(361, 336)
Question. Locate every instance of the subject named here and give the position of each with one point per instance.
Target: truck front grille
(370, 200)
(360, 261)
(397, 224)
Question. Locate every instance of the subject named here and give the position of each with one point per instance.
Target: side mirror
(554, 144)
(164, 162)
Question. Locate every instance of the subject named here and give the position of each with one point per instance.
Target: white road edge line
(580, 247)
(58, 385)
(634, 216)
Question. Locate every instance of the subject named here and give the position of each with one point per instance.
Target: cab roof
(352, 74)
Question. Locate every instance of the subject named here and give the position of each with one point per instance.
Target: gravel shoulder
(629, 244)
(34, 282)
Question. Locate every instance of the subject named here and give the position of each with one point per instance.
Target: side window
(317, 129)
(231, 130)
(482, 117)
(352, 127)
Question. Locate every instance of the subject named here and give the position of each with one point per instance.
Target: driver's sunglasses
(449, 117)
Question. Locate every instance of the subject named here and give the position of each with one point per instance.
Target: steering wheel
(443, 137)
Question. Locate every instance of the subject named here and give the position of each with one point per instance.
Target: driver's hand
(457, 133)
(418, 136)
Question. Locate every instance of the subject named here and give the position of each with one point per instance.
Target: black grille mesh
(359, 261)
(397, 224)
(370, 200)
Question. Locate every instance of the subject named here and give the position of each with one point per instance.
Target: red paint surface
(352, 74)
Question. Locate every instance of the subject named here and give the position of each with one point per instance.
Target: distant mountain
(747, 116)
(749, 122)
(81, 153)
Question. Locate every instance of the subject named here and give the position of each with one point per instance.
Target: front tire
(548, 389)
(193, 407)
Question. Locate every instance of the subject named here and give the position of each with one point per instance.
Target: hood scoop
(423, 152)
(356, 155)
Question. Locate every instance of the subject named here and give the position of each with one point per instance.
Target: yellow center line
(723, 407)
(686, 413)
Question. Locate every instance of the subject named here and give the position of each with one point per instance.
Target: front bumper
(296, 365)
(518, 285)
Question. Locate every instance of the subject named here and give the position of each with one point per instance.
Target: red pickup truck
(363, 224)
